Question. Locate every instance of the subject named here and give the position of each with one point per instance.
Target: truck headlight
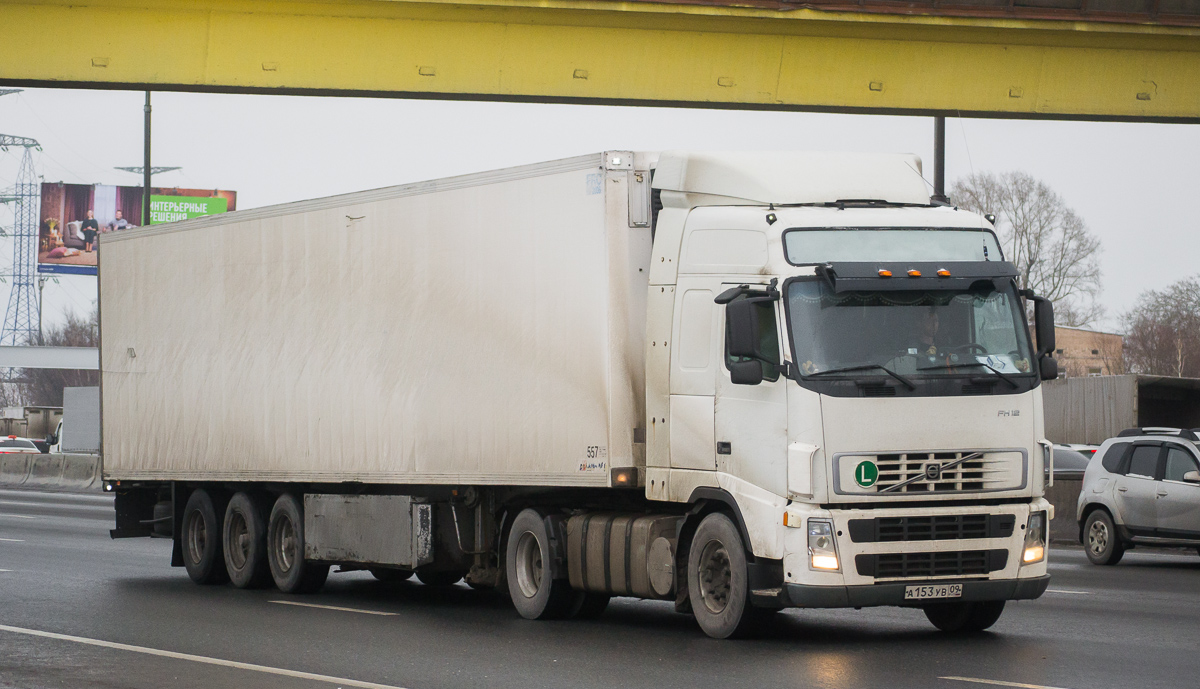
(1035, 539)
(822, 546)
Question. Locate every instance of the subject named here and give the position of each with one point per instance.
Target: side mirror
(747, 320)
(746, 372)
(1048, 368)
(1192, 477)
(1043, 324)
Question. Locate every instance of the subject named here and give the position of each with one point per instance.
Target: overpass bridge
(1134, 60)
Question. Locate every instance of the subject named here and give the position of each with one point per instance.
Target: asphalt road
(80, 610)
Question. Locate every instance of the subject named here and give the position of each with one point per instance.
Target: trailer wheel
(390, 575)
(201, 534)
(1101, 542)
(718, 584)
(285, 549)
(535, 593)
(445, 578)
(244, 539)
(964, 617)
(589, 606)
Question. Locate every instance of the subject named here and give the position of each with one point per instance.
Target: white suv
(1142, 487)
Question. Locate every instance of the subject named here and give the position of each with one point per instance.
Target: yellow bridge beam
(610, 52)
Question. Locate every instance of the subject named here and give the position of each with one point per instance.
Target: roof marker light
(943, 273)
(914, 273)
(885, 273)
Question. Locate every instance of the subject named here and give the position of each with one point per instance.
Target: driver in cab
(927, 328)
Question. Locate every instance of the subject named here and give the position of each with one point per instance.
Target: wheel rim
(715, 576)
(285, 544)
(197, 537)
(239, 540)
(1098, 537)
(529, 565)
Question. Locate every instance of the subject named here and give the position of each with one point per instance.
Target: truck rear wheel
(244, 538)
(285, 549)
(964, 617)
(203, 557)
(535, 593)
(1100, 539)
(718, 583)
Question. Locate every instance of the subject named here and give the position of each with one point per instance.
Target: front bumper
(806, 596)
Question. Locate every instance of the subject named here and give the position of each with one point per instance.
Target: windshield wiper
(975, 364)
(867, 367)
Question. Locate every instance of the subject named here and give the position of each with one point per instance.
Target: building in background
(64, 224)
(1088, 352)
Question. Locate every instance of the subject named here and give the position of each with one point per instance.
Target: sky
(1133, 184)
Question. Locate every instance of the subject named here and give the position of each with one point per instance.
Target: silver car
(1142, 487)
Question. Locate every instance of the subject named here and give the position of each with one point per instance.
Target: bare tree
(44, 386)
(1164, 331)
(1056, 253)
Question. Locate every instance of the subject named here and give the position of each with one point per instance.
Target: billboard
(75, 218)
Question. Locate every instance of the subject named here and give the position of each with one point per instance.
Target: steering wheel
(969, 347)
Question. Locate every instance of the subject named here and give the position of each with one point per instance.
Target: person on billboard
(89, 228)
(120, 223)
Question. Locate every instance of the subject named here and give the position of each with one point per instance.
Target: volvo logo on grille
(933, 471)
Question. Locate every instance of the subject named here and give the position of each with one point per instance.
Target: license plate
(936, 591)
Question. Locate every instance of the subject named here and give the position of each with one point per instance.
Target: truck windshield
(916, 333)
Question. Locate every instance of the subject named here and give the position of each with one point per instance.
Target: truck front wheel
(964, 617)
(535, 593)
(201, 535)
(285, 549)
(718, 584)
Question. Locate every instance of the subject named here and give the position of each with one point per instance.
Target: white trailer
(736, 381)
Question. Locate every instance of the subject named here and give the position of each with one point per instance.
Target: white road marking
(12, 540)
(199, 659)
(1078, 593)
(18, 516)
(5, 570)
(999, 683)
(331, 607)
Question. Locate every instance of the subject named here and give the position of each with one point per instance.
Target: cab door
(1178, 501)
(694, 357)
(751, 420)
(1135, 493)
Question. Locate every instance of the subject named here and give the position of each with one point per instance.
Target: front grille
(930, 565)
(933, 528)
(986, 470)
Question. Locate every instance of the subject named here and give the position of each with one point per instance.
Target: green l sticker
(866, 473)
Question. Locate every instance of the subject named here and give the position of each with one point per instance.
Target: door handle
(1162, 493)
(1123, 489)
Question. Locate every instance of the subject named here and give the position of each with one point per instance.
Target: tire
(1100, 539)
(200, 539)
(589, 606)
(244, 543)
(964, 617)
(718, 584)
(391, 576)
(441, 579)
(285, 549)
(535, 594)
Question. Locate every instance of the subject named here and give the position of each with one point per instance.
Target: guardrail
(74, 472)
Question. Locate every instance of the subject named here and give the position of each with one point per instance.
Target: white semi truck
(740, 382)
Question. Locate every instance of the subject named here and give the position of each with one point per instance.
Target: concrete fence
(51, 472)
(1064, 495)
